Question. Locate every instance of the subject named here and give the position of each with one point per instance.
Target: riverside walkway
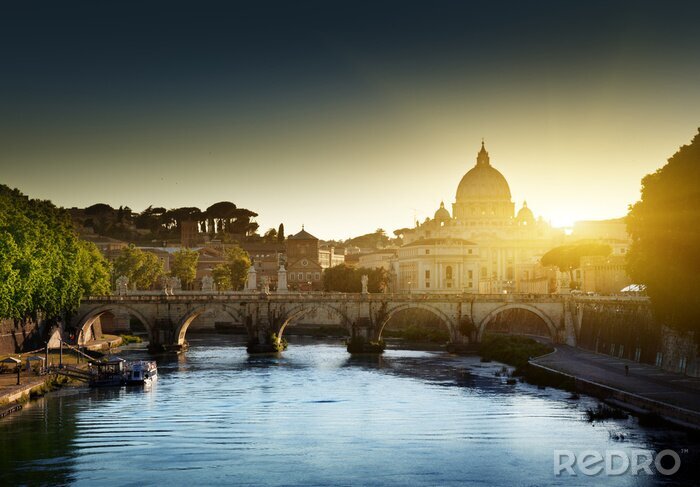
(654, 386)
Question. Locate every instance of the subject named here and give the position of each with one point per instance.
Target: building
(483, 244)
(604, 275)
(306, 262)
(377, 259)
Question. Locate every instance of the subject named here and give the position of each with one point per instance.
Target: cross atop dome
(483, 157)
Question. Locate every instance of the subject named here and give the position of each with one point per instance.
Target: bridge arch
(196, 312)
(551, 325)
(441, 315)
(303, 309)
(89, 318)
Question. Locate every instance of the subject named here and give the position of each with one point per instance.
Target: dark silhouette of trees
(568, 257)
(346, 279)
(280, 233)
(664, 255)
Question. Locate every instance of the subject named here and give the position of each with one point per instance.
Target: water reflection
(314, 416)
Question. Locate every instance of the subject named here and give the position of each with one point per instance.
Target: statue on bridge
(365, 281)
(252, 282)
(207, 284)
(122, 285)
(282, 280)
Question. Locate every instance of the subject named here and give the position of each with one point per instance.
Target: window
(471, 284)
(681, 365)
(469, 251)
(291, 276)
(427, 251)
(659, 359)
(449, 285)
(317, 276)
(308, 276)
(470, 275)
(621, 352)
(637, 354)
(427, 274)
(300, 276)
(427, 284)
(448, 272)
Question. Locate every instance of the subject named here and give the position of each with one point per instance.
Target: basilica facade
(482, 247)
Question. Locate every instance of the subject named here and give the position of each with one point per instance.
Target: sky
(344, 116)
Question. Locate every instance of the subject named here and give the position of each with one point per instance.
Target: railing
(246, 296)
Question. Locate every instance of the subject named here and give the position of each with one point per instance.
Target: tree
(375, 240)
(280, 233)
(219, 216)
(94, 270)
(237, 263)
(184, 266)
(346, 279)
(44, 268)
(222, 277)
(270, 235)
(568, 257)
(666, 238)
(143, 269)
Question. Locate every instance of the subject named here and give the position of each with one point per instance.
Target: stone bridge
(466, 316)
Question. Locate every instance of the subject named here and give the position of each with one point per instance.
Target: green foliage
(143, 269)
(95, 270)
(280, 233)
(184, 266)
(127, 339)
(44, 268)
(237, 264)
(568, 257)
(666, 238)
(512, 350)
(222, 277)
(346, 279)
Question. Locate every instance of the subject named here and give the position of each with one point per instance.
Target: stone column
(252, 282)
(282, 280)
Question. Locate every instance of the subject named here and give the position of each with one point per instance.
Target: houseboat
(141, 372)
(118, 372)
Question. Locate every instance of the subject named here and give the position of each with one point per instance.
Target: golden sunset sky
(345, 117)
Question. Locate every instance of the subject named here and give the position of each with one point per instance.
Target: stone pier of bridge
(266, 316)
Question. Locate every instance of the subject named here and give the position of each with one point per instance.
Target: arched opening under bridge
(416, 323)
(517, 319)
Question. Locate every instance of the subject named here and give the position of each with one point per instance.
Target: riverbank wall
(22, 392)
(18, 335)
(631, 332)
(632, 402)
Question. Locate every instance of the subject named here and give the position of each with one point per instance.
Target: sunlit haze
(350, 120)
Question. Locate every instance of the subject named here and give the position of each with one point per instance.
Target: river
(317, 416)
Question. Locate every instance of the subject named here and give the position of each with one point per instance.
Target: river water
(317, 416)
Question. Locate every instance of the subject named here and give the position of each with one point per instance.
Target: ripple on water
(313, 416)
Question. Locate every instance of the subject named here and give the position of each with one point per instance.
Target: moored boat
(117, 372)
(141, 372)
